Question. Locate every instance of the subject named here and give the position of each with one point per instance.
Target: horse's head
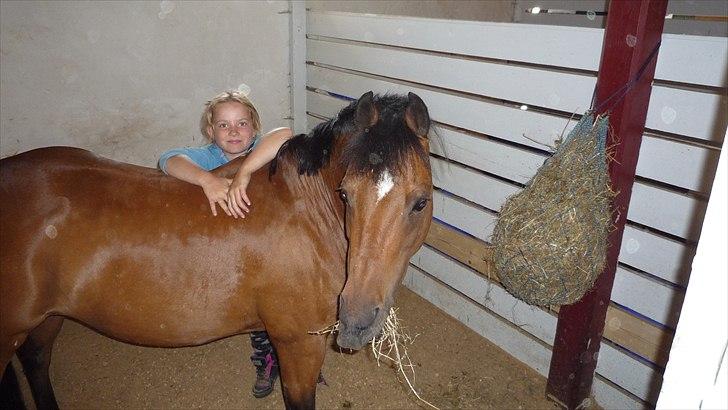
(387, 191)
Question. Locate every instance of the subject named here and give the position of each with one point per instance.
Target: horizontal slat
(455, 212)
(479, 188)
(666, 210)
(691, 113)
(646, 251)
(633, 376)
(571, 47)
(507, 123)
(504, 160)
(650, 298)
(679, 54)
(624, 329)
(467, 250)
(686, 112)
(683, 165)
(535, 321)
(575, 48)
(647, 297)
(690, 167)
(481, 320)
(665, 258)
(550, 89)
(507, 337)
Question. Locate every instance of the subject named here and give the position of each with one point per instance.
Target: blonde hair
(227, 96)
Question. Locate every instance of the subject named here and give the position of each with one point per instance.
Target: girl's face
(232, 128)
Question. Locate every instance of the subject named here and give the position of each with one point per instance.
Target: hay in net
(550, 241)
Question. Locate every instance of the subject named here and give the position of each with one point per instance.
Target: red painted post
(634, 30)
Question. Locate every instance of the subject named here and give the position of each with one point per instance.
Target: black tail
(10, 396)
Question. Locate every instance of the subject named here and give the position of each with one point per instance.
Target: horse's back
(64, 213)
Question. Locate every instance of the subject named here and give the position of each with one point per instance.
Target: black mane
(384, 145)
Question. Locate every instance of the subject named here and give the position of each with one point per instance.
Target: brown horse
(137, 256)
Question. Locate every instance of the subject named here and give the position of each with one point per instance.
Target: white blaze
(384, 185)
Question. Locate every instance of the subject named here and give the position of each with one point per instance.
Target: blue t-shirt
(207, 157)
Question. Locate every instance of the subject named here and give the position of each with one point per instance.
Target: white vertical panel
(701, 339)
(298, 66)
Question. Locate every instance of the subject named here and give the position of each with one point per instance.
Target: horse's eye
(420, 205)
(342, 195)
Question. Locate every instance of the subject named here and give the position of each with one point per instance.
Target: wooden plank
(454, 211)
(647, 297)
(659, 208)
(491, 156)
(666, 210)
(485, 117)
(686, 112)
(571, 47)
(487, 324)
(533, 320)
(679, 54)
(647, 340)
(691, 167)
(505, 335)
(663, 257)
(570, 92)
(635, 334)
(650, 298)
(683, 165)
(490, 193)
(632, 375)
(635, 376)
(658, 255)
(469, 251)
(575, 47)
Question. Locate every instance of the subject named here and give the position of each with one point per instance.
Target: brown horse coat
(137, 255)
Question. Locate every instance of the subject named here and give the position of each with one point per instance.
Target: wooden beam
(629, 57)
(634, 334)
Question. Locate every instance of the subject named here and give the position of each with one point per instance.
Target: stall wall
(128, 80)
(500, 96)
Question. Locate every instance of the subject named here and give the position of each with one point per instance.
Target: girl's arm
(215, 188)
(266, 149)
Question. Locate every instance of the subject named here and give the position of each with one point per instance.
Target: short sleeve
(201, 156)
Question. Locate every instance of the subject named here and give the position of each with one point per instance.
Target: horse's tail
(10, 395)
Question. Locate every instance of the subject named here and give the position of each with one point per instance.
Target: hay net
(550, 241)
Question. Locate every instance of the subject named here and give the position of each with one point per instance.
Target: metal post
(633, 32)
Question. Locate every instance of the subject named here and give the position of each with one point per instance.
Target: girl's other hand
(237, 197)
(216, 189)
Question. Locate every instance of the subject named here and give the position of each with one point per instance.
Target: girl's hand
(216, 190)
(237, 198)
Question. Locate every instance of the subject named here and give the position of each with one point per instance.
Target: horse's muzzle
(356, 330)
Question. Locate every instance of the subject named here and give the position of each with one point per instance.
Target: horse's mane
(382, 146)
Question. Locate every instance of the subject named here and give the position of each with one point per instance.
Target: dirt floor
(455, 368)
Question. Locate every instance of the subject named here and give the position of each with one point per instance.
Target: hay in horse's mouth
(390, 344)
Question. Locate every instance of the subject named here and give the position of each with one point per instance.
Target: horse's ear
(416, 115)
(366, 112)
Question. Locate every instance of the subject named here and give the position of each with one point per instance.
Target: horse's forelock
(384, 145)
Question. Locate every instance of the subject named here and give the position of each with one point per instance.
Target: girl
(231, 123)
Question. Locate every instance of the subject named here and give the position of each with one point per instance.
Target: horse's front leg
(300, 363)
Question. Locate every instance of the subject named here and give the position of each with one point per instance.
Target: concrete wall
(127, 80)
